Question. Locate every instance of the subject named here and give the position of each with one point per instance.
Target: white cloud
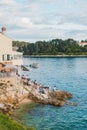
(7, 2)
(25, 20)
(44, 19)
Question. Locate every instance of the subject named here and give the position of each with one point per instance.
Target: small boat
(34, 65)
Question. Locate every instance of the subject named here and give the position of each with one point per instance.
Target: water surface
(68, 74)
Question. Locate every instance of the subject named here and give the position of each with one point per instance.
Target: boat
(34, 65)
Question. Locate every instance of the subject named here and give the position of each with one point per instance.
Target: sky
(34, 20)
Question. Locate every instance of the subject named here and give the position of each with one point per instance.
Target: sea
(69, 74)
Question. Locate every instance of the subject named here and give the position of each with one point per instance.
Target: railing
(7, 74)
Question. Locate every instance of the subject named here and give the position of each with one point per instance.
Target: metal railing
(7, 74)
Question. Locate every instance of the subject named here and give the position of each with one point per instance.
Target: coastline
(13, 94)
(20, 111)
(12, 99)
(15, 91)
(56, 56)
(25, 101)
(18, 94)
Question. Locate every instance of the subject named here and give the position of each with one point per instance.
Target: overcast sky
(33, 20)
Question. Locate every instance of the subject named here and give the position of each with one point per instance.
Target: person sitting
(54, 88)
(35, 82)
(24, 79)
(28, 81)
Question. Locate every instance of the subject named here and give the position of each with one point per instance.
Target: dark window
(5, 57)
(8, 57)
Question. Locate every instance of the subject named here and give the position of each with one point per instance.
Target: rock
(12, 94)
(2, 105)
(72, 103)
(56, 98)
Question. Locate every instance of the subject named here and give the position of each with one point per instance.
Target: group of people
(27, 81)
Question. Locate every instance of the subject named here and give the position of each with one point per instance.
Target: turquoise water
(68, 74)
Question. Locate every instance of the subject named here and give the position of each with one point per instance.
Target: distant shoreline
(56, 56)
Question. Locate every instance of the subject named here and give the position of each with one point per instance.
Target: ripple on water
(69, 74)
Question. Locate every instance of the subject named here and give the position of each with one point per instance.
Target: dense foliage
(7, 124)
(53, 47)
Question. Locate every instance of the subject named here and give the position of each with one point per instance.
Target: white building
(7, 55)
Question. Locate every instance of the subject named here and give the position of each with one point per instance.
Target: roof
(5, 35)
(83, 42)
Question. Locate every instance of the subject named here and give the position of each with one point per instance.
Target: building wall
(14, 57)
(83, 44)
(5, 45)
(18, 62)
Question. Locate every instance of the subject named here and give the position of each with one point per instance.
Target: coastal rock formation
(57, 97)
(13, 91)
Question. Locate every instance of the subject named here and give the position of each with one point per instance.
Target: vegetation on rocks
(7, 124)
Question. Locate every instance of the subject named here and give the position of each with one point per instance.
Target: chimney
(3, 29)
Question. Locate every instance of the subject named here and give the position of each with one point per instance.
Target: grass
(8, 124)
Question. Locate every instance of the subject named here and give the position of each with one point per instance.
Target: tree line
(52, 47)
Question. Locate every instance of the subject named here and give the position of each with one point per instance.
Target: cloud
(44, 19)
(7, 2)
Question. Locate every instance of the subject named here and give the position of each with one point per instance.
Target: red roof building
(83, 43)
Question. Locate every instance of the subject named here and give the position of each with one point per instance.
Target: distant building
(83, 44)
(7, 55)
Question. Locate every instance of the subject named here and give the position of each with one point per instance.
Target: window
(8, 57)
(5, 57)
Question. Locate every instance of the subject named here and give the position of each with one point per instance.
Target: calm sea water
(68, 74)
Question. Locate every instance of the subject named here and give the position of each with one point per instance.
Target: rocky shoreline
(56, 98)
(14, 91)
